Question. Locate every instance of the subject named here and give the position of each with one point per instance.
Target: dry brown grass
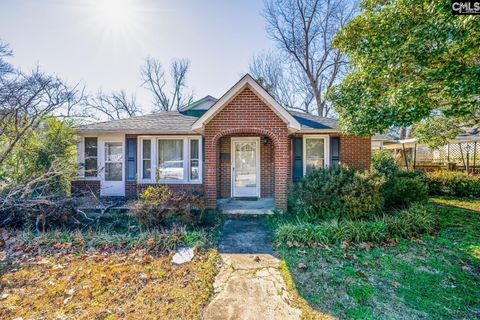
(131, 285)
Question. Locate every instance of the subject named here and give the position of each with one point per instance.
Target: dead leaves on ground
(98, 285)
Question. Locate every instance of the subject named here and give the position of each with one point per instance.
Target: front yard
(102, 273)
(116, 275)
(433, 276)
(106, 286)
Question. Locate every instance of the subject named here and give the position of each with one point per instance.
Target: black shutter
(335, 151)
(297, 163)
(131, 159)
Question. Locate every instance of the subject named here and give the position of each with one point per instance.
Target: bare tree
(167, 95)
(304, 30)
(5, 51)
(26, 100)
(117, 105)
(282, 80)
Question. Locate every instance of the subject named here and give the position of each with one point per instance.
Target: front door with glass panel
(113, 184)
(246, 167)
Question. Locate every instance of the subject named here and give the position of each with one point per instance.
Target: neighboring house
(242, 145)
(461, 153)
(380, 140)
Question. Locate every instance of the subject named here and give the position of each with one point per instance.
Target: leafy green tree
(411, 60)
(53, 144)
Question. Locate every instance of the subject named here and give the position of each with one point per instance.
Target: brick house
(243, 145)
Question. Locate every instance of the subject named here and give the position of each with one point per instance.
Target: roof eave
(327, 130)
(247, 81)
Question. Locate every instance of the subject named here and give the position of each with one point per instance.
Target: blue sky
(104, 42)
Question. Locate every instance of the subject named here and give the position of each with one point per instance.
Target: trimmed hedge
(404, 224)
(453, 183)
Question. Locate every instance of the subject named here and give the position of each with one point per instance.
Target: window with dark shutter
(335, 151)
(297, 163)
(131, 159)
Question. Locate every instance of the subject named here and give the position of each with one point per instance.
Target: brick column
(282, 170)
(210, 174)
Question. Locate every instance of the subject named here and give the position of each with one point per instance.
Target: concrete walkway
(249, 284)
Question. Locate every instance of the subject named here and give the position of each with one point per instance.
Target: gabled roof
(247, 81)
(171, 122)
(203, 104)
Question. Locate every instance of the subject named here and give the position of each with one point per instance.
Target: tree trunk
(403, 132)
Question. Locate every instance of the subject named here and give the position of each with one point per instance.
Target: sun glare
(114, 13)
(116, 17)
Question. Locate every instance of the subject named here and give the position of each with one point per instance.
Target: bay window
(170, 159)
(315, 152)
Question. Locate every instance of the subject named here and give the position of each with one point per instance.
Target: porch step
(246, 211)
(246, 207)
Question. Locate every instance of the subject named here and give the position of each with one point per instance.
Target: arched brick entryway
(247, 114)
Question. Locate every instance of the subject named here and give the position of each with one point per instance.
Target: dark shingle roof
(383, 137)
(174, 122)
(311, 121)
(171, 122)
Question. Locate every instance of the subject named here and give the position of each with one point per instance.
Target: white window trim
(154, 159)
(153, 156)
(326, 149)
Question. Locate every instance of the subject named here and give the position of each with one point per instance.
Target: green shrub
(401, 188)
(452, 183)
(384, 163)
(337, 193)
(157, 207)
(404, 224)
(404, 188)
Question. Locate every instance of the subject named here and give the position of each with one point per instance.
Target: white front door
(246, 167)
(112, 173)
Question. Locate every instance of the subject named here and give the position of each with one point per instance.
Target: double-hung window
(113, 161)
(146, 159)
(170, 159)
(194, 160)
(90, 156)
(315, 152)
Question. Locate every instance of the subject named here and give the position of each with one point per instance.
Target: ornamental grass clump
(406, 223)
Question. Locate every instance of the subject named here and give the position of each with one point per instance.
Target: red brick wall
(132, 189)
(355, 151)
(247, 114)
(267, 179)
(81, 186)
